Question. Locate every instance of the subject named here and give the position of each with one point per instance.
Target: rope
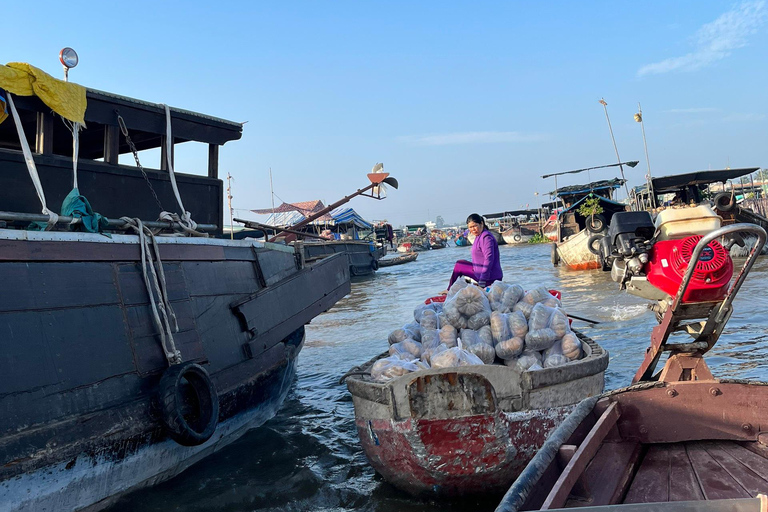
(53, 218)
(162, 311)
(186, 218)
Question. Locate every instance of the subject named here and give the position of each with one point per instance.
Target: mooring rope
(162, 311)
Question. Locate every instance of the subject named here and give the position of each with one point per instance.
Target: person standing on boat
(485, 267)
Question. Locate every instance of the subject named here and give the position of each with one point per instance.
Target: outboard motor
(626, 245)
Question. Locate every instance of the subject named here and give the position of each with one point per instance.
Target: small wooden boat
(398, 260)
(466, 430)
(671, 440)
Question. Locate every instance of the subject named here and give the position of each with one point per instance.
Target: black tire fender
(375, 264)
(517, 238)
(596, 223)
(593, 244)
(555, 257)
(189, 404)
(724, 202)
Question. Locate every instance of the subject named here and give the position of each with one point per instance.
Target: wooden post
(44, 135)
(111, 144)
(213, 160)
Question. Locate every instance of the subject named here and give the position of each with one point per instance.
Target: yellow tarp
(64, 98)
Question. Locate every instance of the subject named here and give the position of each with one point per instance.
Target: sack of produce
(454, 316)
(496, 294)
(435, 307)
(485, 352)
(499, 327)
(540, 339)
(485, 335)
(536, 295)
(571, 345)
(448, 335)
(540, 315)
(518, 325)
(476, 321)
(431, 352)
(552, 302)
(470, 301)
(408, 349)
(553, 356)
(559, 323)
(454, 357)
(510, 349)
(397, 336)
(421, 364)
(512, 296)
(413, 330)
(458, 285)
(430, 338)
(526, 360)
(524, 307)
(468, 337)
(388, 368)
(429, 319)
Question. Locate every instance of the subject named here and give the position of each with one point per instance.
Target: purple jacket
(485, 259)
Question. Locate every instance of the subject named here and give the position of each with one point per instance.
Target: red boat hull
(458, 456)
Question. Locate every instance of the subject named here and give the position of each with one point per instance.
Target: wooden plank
(747, 478)
(651, 483)
(753, 460)
(610, 472)
(213, 160)
(562, 488)
(716, 483)
(111, 144)
(683, 484)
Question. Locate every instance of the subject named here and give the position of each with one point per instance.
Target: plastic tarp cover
(65, 98)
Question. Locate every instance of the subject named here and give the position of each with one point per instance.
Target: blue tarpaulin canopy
(345, 215)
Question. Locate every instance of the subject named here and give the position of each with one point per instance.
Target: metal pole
(272, 194)
(229, 199)
(615, 148)
(639, 119)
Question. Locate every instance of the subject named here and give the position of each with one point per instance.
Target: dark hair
(477, 219)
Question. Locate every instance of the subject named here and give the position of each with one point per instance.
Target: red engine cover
(669, 259)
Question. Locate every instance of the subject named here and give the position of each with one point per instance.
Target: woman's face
(474, 228)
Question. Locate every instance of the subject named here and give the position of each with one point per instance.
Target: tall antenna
(272, 193)
(229, 200)
(615, 148)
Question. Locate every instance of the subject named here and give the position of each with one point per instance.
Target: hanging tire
(375, 265)
(724, 202)
(593, 244)
(189, 404)
(517, 238)
(596, 223)
(554, 256)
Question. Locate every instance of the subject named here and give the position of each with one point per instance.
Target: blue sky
(467, 104)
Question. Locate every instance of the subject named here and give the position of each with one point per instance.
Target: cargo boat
(129, 353)
(467, 430)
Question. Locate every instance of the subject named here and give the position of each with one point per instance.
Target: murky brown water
(308, 457)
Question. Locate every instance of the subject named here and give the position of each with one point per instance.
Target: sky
(467, 104)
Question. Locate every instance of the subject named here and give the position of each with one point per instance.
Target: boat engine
(652, 268)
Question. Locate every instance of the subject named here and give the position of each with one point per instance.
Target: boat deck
(700, 470)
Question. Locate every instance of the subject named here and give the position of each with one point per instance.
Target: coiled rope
(154, 279)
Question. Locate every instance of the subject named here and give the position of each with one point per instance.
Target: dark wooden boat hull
(79, 415)
(362, 256)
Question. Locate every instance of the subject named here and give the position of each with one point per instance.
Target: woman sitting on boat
(485, 267)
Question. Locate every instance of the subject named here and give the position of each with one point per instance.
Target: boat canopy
(289, 214)
(608, 204)
(664, 184)
(512, 213)
(347, 216)
(595, 186)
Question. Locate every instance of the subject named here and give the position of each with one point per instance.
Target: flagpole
(615, 148)
(639, 119)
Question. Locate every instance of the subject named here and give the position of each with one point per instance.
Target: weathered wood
(559, 493)
(748, 478)
(755, 460)
(213, 161)
(683, 484)
(610, 472)
(716, 483)
(651, 483)
(111, 144)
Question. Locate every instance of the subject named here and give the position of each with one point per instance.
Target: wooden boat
(672, 439)
(467, 430)
(398, 260)
(362, 256)
(127, 358)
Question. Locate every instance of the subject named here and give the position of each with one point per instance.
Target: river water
(308, 457)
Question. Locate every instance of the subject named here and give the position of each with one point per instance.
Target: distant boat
(398, 260)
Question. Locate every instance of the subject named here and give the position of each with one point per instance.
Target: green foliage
(590, 206)
(538, 238)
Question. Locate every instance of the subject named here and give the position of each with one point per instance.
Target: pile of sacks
(502, 324)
